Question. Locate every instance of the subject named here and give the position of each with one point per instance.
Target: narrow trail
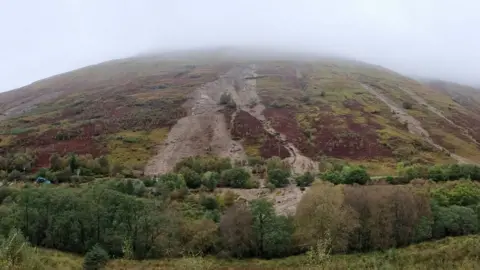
(434, 110)
(414, 126)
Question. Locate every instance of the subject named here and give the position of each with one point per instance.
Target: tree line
(127, 219)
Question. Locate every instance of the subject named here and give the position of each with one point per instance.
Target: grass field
(449, 253)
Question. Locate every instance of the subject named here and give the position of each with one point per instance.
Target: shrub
(203, 164)
(15, 175)
(333, 177)
(209, 202)
(95, 259)
(62, 176)
(454, 220)
(277, 163)
(271, 187)
(407, 105)
(305, 179)
(437, 174)
(278, 177)
(192, 178)
(172, 181)
(236, 177)
(148, 182)
(210, 180)
(390, 179)
(356, 175)
(251, 183)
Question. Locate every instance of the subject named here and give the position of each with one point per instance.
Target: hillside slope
(148, 112)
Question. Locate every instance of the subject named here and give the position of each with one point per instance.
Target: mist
(428, 38)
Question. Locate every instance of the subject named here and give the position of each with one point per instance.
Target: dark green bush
(95, 259)
(356, 175)
(278, 177)
(209, 202)
(192, 178)
(333, 177)
(305, 179)
(172, 181)
(236, 178)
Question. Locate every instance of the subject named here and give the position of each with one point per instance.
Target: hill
(148, 112)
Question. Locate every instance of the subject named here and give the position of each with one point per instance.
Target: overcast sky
(435, 38)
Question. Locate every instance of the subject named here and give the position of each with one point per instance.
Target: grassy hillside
(449, 253)
(322, 106)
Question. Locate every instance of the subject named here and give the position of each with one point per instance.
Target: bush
(95, 259)
(305, 179)
(407, 105)
(15, 175)
(390, 179)
(209, 202)
(62, 176)
(192, 179)
(278, 177)
(436, 173)
(210, 180)
(203, 164)
(356, 175)
(148, 182)
(277, 163)
(453, 221)
(251, 183)
(333, 177)
(236, 177)
(172, 181)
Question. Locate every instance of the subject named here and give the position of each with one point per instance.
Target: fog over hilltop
(429, 39)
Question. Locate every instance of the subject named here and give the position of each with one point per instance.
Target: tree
(210, 180)
(55, 162)
(192, 179)
(236, 231)
(278, 177)
(72, 163)
(95, 259)
(236, 177)
(272, 233)
(103, 165)
(356, 175)
(322, 216)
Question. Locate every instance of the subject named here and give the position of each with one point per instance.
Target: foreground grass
(448, 253)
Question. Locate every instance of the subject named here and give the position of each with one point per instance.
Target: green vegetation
(347, 175)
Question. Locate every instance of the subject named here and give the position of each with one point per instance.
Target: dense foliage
(172, 214)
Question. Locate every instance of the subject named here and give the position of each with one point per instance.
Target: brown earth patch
(347, 140)
(48, 143)
(247, 127)
(284, 121)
